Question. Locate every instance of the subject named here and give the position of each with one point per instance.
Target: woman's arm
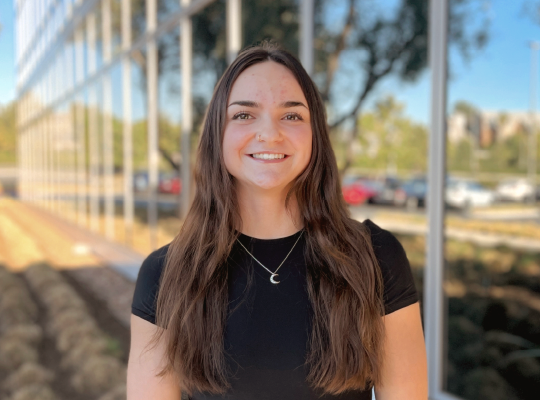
(142, 384)
(404, 366)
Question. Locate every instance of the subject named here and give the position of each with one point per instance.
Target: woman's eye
(293, 117)
(241, 115)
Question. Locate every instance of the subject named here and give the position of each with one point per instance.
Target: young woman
(270, 290)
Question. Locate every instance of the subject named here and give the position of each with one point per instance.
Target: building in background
(110, 93)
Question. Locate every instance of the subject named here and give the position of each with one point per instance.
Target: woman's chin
(269, 185)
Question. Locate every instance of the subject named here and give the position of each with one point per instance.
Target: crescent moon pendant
(272, 278)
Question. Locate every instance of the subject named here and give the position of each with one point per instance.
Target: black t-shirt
(268, 327)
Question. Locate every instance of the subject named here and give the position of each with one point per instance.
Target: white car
(464, 194)
(515, 190)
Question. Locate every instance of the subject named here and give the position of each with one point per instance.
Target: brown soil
(118, 333)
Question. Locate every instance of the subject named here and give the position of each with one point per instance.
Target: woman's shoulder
(147, 285)
(381, 239)
(153, 264)
(399, 287)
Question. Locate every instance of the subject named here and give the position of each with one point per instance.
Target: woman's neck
(264, 215)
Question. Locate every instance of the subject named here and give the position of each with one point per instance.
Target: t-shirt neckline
(276, 241)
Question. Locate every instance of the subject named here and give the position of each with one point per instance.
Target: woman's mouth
(268, 156)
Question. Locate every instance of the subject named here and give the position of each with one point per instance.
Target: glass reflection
(493, 236)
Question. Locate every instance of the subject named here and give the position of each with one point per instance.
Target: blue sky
(7, 52)
(495, 79)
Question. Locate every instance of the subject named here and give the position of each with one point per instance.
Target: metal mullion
(40, 170)
(108, 158)
(82, 186)
(31, 169)
(35, 165)
(186, 53)
(83, 9)
(168, 23)
(28, 164)
(93, 144)
(29, 173)
(50, 163)
(55, 139)
(20, 166)
(45, 160)
(152, 120)
(72, 175)
(234, 28)
(434, 304)
(36, 147)
(306, 34)
(127, 130)
(42, 23)
(24, 160)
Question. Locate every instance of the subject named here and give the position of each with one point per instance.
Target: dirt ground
(24, 240)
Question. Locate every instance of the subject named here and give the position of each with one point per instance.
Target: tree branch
(374, 77)
(333, 58)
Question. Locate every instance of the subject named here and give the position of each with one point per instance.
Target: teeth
(267, 156)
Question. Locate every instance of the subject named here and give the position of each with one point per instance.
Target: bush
(34, 392)
(31, 334)
(28, 374)
(117, 393)
(99, 374)
(15, 353)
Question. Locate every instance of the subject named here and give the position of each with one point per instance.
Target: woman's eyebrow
(288, 104)
(285, 104)
(245, 103)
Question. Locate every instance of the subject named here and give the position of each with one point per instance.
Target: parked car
(519, 190)
(140, 181)
(355, 191)
(387, 191)
(170, 183)
(415, 191)
(464, 194)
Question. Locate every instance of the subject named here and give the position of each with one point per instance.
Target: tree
(8, 134)
(391, 44)
(374, 40)
(391, 142)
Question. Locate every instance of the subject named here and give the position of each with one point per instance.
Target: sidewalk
(479, 238)
(105, 269)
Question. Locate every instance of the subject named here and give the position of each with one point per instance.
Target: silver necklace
(272, 274)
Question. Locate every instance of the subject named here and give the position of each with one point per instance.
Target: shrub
(28, 374)
(34, 392)
(117, 393)
(31, 334)
(15, 353)
(99, 374)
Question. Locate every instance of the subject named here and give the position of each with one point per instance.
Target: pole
(152, 101)
(306, 35)
(531, 168)
(434, 310)
(186, 53)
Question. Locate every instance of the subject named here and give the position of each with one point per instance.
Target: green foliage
(390, 141)
(8, 134)
(459, 156)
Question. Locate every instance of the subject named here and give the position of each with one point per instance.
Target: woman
(270, 290)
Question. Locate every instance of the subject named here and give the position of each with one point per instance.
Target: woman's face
(267, 139)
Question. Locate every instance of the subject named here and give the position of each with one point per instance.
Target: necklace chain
(273, 274)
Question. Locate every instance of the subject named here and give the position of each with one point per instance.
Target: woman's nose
(269, 131)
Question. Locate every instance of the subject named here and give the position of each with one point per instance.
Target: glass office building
(111, 94)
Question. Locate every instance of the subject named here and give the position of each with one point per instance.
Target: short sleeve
(399, 288)
(147, 285)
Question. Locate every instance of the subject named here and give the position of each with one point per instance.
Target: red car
(356, 193)
(170, 184)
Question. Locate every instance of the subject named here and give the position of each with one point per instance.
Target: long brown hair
(344, 280)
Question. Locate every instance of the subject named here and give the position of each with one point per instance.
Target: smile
(268, 156)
